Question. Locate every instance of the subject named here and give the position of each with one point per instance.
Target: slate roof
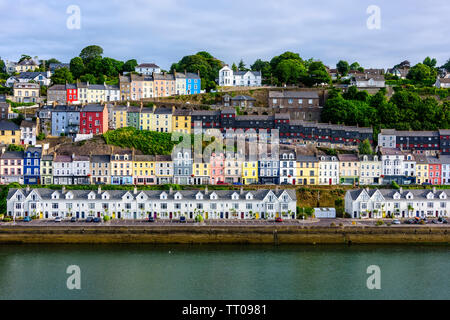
(92, 108)
(242, 97)
(147, 65)
(8, 125)
(152, 194)
(418, 194)
(294, 94)
(100, 158)
(12, 155)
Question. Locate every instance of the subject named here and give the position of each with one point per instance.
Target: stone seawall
(225, 235)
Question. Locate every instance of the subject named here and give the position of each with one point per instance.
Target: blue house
(32, 165)
(268, 170)
(193, 83)
(65, 120)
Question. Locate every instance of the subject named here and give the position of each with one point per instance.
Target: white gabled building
(228, 77)
(123, 204)
(379, 203)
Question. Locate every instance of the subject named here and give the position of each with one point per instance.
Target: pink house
(216, 165)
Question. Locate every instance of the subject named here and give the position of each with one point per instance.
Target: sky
(163, 31)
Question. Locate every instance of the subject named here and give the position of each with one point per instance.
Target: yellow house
(162, 120)
(119, 117)
(146, 119)
(421, 169)
(181, 121)
(9, 132)
(144, 169)
(26, 92)
(307, 170)
(200, 172)
(249, 172)
(349, 168)
(26, 65)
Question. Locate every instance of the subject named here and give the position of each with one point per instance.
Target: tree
(446, 65)
(77, 67)
(343, 67)
(88, 78)
(264, 68)
(430, 62)
(403, 65)
(24, 57)
(365, 147)
(2, 66)
(234, 67)
(91, 52)
(317, 74)
(61, 76)
(422, 73)
(130, 65)
(242, 66)
(355, 66)
(290, 71)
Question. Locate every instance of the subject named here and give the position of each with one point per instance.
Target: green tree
(430, 62)
(343, 67)
(2, 66)
(77, 67)
(355, 66)
(129, 65)
(422, 73)
(61, 76)
(91, 52)
(365, 147)
(234, 67)
(242, 66)
(265, 68)
(290, 71)
(446, 65)
(88, 78)
(24, 57)
(317, 74)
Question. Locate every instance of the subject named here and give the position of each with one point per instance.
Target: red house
(71, 93)
(434, 170)
(93, 119)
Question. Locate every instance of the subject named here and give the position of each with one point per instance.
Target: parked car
(237, 183)
(89, 219)
(97, 220)
(73, 219)
(396, 221)
(58, 219)
(151, 219)
(27, 219)
(278, 219)
(222, 183)
(183, 219)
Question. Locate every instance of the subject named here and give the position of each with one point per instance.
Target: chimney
(242, 190)
(135, 190)
(206, 190)
(27, 189)
(170, 190)
(87, 83)
(128, 103)
(434, 189)
(99, 189)
(63, 189)
(400, 190)
(276, 189)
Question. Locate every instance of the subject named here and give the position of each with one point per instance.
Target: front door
(78, 215)
(170, 215)
(242, 215)
(134, 215)
(329, 182)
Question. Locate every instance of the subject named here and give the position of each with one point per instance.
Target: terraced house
(32, 165)
(378, 203)
(9, 132)
(11, 167)
(135, 204)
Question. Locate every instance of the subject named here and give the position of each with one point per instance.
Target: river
(223, 272)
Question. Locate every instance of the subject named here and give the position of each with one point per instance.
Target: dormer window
(249, 196)
(163, 196)
(199, 196)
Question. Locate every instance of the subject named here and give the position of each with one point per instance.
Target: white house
(112, 93)
(28, 132)
(368, 81)
(228, 77)
(442, 83)
(147, 68)
(328, 170)
(287, 167)
(378, 203)
(445, 168)
(369, 169)
(123, 204)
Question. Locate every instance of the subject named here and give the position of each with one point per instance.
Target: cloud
(164, 31)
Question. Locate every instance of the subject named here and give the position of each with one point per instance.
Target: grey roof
(154, 194)
(181, 112)
(92, 108)
(409, 133)
(294, 94)
(47, 157)
(242, 97)
(12, 155)
(27, 62)
(100, 158)
(29, 124)
(241, 73)
(303, 158)
(31, 75)
(163, 111)
(34, 149)
(147, 65)
(348, 157)
(418, 194)
(8, 125)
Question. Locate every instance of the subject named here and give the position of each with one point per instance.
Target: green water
(223, 272)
